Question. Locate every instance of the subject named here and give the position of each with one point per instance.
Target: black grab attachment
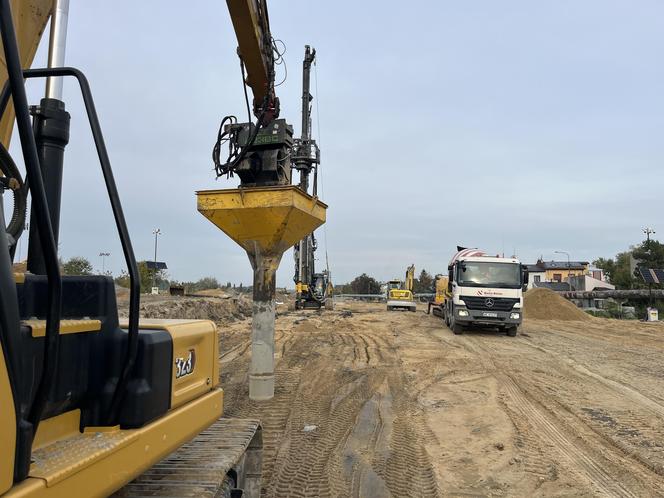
(130, 260)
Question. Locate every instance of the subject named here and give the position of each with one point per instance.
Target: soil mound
(544, 304)
(215, 309)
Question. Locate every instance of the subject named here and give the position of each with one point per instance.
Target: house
(555, 271)
(590, 283)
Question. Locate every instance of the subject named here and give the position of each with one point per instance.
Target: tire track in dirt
(619, 414)
(367, 439)
(304, 460)
(577, 459)
(619, 387)
(591, 456)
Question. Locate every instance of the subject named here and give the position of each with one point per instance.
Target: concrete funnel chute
(265, 222)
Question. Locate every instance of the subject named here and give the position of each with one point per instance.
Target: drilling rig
(311, 287)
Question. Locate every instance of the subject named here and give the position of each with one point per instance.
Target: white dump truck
(484, 291)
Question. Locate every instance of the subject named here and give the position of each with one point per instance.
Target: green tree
(77, 266)
(203, 284)
(364, 284)
(649, 254)
(145, 277)
(423, 283)
(618, 270)
(606, 264)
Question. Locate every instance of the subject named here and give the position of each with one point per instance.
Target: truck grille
(484, 303)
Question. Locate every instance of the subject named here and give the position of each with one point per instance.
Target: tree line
(78, 265)
(622, 270)
(364, 284)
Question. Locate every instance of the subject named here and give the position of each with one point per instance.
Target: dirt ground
(371, 403)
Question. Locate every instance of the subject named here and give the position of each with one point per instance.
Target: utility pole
(156, 232)
(569, 269)
(648, 231)
(103, 255)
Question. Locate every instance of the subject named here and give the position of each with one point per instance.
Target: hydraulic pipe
(56, 47)
(51, 129)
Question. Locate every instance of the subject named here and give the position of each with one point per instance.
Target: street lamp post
(156, 232)
(103, 255)
(569, 269)
(648, 231)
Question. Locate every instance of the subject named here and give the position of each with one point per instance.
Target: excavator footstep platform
(229, 447)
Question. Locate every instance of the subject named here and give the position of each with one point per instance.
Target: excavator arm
(30, 18)
(252, 30)
(410, 278)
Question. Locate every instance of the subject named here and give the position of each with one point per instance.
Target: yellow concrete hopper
(263, 220)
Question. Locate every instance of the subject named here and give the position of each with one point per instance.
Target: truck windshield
(479, 274)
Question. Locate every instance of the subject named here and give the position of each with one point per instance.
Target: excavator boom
(30, 19)
(252, 30)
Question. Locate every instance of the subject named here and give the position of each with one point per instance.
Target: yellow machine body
(99, 460)
(442, 292)
(30, 19)
(263, 220)
(400, 295)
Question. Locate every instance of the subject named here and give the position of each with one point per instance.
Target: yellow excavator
(400, 293)
(91, 406)
(437, 305)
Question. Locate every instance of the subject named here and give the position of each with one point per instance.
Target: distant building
(559, 275)
(555, 271)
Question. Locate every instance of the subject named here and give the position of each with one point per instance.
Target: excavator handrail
(42, 218)
(116, 206)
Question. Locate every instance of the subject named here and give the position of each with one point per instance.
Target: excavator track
(226, 456)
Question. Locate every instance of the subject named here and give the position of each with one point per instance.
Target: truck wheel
(511, 331)
(389, 308)
(413, 309)
(456, 328)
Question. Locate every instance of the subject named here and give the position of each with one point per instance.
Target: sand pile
(215, 309)
(544, 304)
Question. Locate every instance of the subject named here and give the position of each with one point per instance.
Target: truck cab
(485, 291)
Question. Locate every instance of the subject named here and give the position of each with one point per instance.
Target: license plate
(490, 315)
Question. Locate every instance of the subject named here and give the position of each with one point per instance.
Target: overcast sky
(512, 125)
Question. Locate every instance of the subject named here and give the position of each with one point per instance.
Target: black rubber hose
(10, 171)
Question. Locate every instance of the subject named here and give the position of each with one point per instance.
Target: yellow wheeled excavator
(400, 292)
(91, 406)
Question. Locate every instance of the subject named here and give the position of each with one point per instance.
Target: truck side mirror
(524, 281)
(449, 280)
